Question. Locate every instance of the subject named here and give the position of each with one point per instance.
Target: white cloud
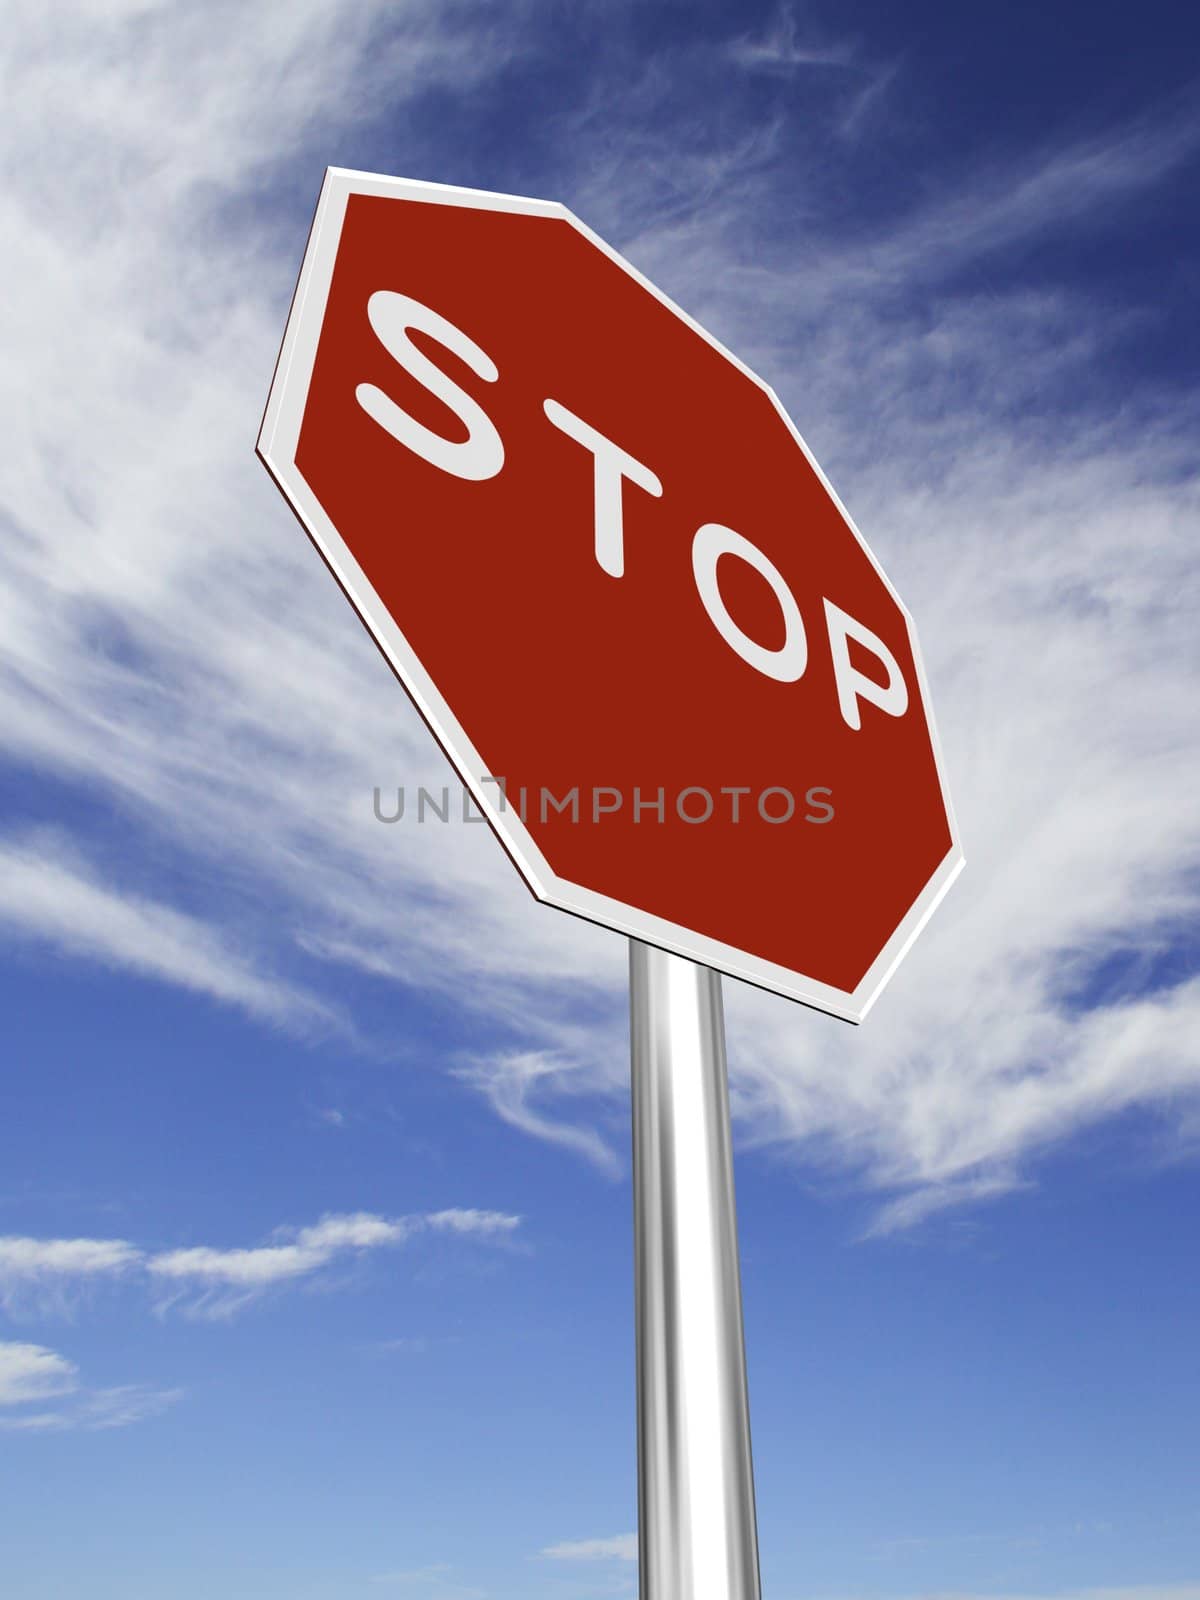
(917, 1204)
(96, 1410)
(48, 895)
(22, 1257)
(130, 593)
(780, 49)
(622, 1547)
(172, 646)
(252, 1270)
(31, 1372)
(458, 1220)
(30, 1375)
(509, 1080)
(216, 1283)
(47, 1273)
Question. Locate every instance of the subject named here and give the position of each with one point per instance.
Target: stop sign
(617, 586)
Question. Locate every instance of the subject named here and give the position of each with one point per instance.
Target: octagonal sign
(617, 586)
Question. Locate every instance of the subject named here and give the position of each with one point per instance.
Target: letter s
(825, 806)
(481, 454)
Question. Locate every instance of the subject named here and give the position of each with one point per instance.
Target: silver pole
(697, 1537)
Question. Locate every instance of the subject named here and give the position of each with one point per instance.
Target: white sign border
(277, 441)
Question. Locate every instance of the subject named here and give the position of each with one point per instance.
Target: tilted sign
(616, 584)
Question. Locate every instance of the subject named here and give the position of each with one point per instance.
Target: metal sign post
(697, 1535)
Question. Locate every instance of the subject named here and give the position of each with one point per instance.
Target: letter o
(713, 541)
(787, 795)
(681, 811)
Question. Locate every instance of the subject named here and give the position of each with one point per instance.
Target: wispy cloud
(35, 1258)
(48, 894)
(1061, 189)
(209, 1282)
(31, 1375)
(621, 1547)
(47, 1274)
(31, 1372)
(926, 1201)
(509, 1081)
(781, 48)
(489, 1224)
(95, 1410)
(258, 1268)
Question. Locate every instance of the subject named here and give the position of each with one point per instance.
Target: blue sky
(315, 1241)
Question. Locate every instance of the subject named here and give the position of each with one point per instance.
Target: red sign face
(617, 586)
